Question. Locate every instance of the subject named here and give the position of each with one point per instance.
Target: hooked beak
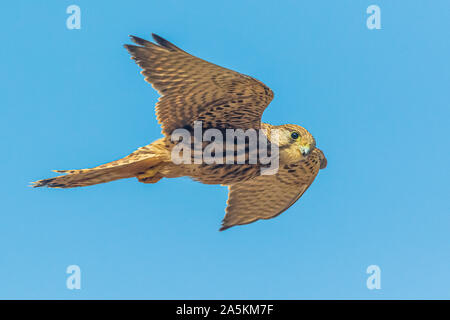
(305, 150)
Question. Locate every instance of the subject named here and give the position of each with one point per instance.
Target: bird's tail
(133, 165)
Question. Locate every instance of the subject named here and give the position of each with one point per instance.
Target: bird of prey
(192, 89)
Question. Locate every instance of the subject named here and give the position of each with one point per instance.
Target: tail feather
(128, 167)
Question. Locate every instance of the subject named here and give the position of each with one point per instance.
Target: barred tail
(133, 165)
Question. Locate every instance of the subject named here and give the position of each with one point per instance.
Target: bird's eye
(294, 135)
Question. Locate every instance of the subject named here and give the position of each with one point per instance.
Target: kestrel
(193, 90)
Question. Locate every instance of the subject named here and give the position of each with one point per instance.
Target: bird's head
(295, 143)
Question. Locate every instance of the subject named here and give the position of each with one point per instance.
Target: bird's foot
(149, 176)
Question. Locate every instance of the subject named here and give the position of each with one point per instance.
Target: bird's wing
(193, 89)
(267, 196)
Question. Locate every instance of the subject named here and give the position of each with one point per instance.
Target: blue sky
(377, 102)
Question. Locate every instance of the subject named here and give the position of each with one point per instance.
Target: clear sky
(377, 102)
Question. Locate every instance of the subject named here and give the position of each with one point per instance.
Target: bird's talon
(148, 174)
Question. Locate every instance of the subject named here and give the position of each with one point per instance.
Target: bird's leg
(150, 175)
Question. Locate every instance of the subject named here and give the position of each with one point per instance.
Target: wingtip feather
(164, 43)
(140, 41)
(223, 228)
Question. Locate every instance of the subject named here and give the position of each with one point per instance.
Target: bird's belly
(222, 173)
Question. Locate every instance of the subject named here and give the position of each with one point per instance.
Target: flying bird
(191, 90)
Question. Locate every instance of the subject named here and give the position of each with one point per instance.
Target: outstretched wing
(195, 90)
(268, 196)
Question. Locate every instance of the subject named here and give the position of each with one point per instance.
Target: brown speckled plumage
(191, 90)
